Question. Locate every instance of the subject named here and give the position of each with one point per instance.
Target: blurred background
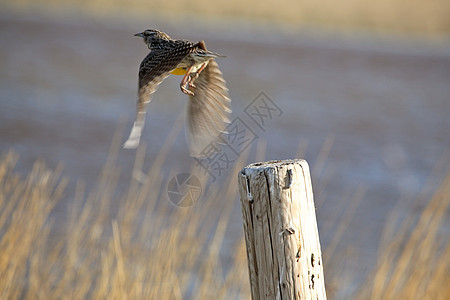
(363, 92)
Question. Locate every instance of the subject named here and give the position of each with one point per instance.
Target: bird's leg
(186, 82)
(196, 74)
(202, 46)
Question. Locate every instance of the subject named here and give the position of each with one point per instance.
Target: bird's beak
(139, 34)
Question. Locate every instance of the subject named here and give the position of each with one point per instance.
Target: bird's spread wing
(208, 110)
(153, 70)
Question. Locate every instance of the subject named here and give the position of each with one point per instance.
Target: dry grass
(152, 250)
(416, 17)
(414, 256)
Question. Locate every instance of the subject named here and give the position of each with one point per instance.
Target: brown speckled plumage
(209, 104)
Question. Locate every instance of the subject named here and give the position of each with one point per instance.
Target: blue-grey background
(377, 109)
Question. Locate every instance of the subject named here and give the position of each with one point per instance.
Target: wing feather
(155, 67)
(208, 109)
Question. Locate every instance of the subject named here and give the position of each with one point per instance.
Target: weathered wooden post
(283, 248)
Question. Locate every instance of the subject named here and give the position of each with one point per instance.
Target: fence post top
(272, 164)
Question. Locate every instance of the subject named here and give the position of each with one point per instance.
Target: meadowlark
(209, 103)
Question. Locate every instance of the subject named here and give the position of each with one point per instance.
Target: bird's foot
(188, 82)
(185, 90)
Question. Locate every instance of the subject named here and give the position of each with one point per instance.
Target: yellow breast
(178, 71)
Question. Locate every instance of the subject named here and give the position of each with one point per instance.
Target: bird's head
(153, 37)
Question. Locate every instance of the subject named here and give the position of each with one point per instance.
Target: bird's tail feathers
(210, 54)
(218, 54)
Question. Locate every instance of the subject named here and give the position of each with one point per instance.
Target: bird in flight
(209, 104)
